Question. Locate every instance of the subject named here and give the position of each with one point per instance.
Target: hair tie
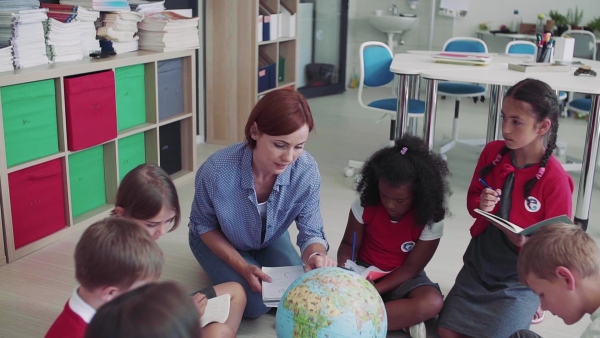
(497, 159)
(403, 150)
(540, 173)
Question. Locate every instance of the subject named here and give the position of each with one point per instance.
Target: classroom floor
(33, 289)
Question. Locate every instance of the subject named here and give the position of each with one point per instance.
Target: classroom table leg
(495, 112)
(430, 111)
(402, 109)
(588, 165)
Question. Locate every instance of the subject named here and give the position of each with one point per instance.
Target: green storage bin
(86, 173)
(30, 125)
(131, 97)
(132, 152)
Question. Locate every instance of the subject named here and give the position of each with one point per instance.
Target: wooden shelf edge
(32, 163)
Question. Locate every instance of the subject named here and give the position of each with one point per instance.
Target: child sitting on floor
(113, 256)
(561, 264)
(396, 224)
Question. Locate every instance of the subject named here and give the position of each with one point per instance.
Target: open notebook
(371, 273)
(217, 310)
(281, 278)
(519, 230)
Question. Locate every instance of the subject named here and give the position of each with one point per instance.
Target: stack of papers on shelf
(463, 58)
(281, 278)
(99, 5)
(17, 5)
(168, 31)
(119, 29)
(6, 59)
(87, 36)
(144, 6)
(24, 30)
(62, 40)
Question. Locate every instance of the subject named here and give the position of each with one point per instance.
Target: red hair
(280, 112)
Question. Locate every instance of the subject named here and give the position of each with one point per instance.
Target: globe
(331, 302)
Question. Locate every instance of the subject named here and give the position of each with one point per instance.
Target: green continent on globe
(317, 299)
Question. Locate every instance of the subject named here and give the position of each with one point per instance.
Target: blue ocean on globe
(330, 303)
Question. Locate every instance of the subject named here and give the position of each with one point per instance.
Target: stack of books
(62, 13)
(6, 59)
(7, 7)
(99, 5)
(473, 59)
(63, 40)
(87, 34)
(26, 31)
(17, 5)
(144, 6)
(168, 31)
(118, 31)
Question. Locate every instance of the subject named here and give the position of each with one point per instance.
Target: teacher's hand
(253, 275)
(319, 260)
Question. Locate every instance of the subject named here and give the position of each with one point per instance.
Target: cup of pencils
(545, 50)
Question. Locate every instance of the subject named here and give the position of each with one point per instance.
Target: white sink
(392, 24)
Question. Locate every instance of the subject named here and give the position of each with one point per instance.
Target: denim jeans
(279, 253)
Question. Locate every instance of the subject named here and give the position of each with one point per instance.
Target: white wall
(498, 12)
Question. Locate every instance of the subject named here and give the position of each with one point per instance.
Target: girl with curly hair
(396, 224)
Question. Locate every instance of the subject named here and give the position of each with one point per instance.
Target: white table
(499, 77)
(408, 68)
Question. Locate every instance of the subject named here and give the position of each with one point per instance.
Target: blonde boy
(561, 264)
(113, 256)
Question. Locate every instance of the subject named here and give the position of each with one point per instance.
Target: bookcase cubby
(239, 61)
(55, 179)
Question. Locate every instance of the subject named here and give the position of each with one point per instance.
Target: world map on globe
(331, 302)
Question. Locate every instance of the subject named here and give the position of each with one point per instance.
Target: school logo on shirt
(532, 204)
(407, 246)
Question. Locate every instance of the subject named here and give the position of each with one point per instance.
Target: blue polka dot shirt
(225, 198)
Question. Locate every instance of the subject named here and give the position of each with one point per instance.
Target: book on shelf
(281, 278)
(539, 67)
(217, 310)
(475, 59)
(497, 220)
(163, 21)
(371, 272)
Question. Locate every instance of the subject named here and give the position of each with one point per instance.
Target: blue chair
(375, 61)
(521, 47)
(461, 89)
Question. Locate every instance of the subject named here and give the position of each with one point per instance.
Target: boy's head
(153, 310)
(559, 262)
(115, 255)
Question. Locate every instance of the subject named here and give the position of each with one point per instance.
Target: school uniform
(487, 287)
(387, 244)
(73, 320)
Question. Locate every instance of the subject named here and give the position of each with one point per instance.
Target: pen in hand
(485, 184)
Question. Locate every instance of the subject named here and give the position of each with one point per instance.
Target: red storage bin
(37, 202)
(91, 109)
